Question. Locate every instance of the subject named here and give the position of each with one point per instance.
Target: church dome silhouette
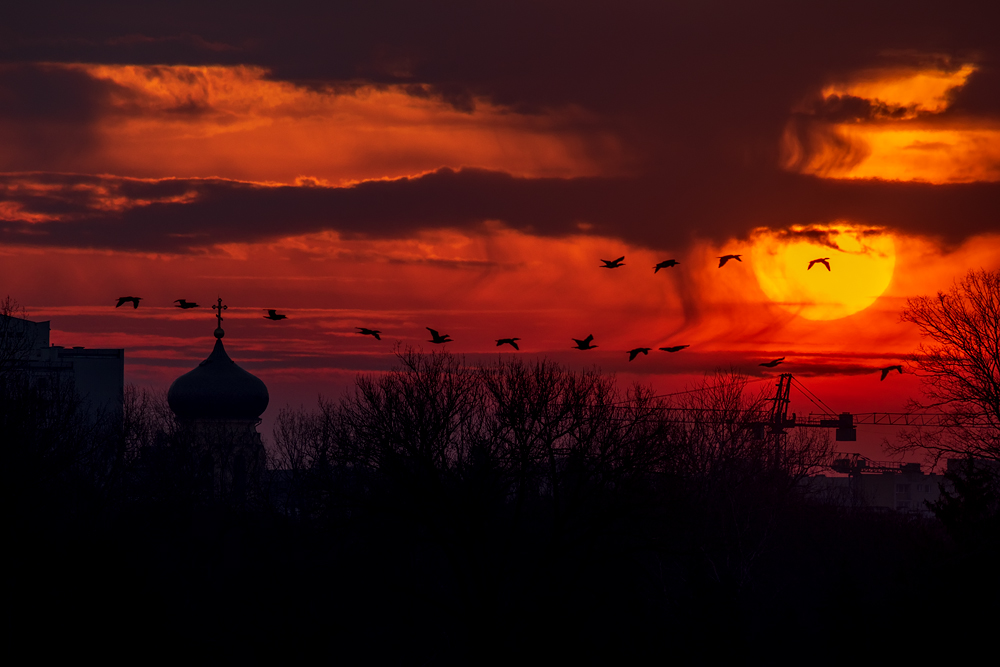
(218, 389)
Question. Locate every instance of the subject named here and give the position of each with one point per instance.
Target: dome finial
(219, 333)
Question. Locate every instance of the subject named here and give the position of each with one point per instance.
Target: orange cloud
(234, 122)
(938, 155)
(891, 124)
(914, 90)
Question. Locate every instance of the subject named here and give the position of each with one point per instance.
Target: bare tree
(719, 415)
(418, 415)
(306, 451)
(534, 422)
(959, 365)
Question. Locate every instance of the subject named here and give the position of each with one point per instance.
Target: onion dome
(218, 388)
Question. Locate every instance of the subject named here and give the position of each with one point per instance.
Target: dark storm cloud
(47, 112)
(981, 93)
(181, 215)
(850, 109)
(671, 57)
(824, 236)
(40, 93)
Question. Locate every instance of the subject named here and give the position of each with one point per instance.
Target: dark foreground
(406, 529)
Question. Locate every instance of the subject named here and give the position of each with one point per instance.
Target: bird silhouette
(181, 303)
(674, 348)
(821, 260)
(772, 364)
(369, 332)
(126, 299)
(585, 343)
(437, 338)
(665, 264)
(508, 341)
(632, 354)
(726, 258)
(885, 371)
(613, 263)
(273, 315)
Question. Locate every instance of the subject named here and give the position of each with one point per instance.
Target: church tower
(218, 407)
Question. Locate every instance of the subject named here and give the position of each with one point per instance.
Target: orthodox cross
(219, 308)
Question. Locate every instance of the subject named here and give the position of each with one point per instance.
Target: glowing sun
(861, 262)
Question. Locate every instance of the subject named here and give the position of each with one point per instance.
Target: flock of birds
(581, 344)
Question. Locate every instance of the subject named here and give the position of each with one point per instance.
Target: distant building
(96, 375)
(900, 487)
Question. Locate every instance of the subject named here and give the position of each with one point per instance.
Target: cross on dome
(219, 333)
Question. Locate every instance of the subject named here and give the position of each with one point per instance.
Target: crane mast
(779, 420)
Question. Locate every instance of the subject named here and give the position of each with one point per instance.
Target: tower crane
(779, 419)
(854, 465)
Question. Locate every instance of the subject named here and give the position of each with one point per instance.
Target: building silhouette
(900, 487)
(96, 375)
(218, 407)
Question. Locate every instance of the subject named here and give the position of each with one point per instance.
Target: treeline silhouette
(444, 513)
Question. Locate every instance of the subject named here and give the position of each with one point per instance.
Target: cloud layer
(182, 215)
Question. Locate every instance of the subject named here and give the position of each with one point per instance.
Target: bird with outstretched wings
(888, 369)
(134, 300)
(437, 338)
(726, 258)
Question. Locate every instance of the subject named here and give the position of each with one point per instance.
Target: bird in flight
(613, 263)
(726, 258)
(508, 341)
(585, 343)
(181, 303)
(772, 364)
(885, 371)
(369, 332)
(821, 260)
(273, 315)
(126, 299)
(437, 338)
(674, 348)
(632, 354)
(665, 264)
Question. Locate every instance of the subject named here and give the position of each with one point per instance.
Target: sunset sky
(466, 166)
